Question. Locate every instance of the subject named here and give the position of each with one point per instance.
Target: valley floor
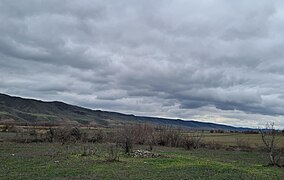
(56, 161)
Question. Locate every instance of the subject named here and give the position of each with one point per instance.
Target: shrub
(89, 150)
(9, 128)
(269, 139)
(113, 152)
(242, 143)
(97, 136)
(213, 145)
(50, 135)
(67, 134)
(192, 141)
(124, 137)
(168, 137)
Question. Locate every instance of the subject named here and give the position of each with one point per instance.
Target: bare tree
(68, 134)
(143, 134)
(193, 140)
(168, 136)
(50, 135)
(128, 135)
(124, 137)
(269, 138)
(113, 152)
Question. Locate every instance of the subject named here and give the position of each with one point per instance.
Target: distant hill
(21, 110)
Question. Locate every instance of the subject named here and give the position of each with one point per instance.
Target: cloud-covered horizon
(218, 61)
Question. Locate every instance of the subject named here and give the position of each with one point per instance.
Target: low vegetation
(270, 138)
(138, 151)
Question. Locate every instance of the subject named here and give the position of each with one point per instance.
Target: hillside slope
(16, 109)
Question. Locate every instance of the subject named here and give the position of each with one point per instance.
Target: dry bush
(20, 132)
(97, 137)
(89, 150)
(143, 134)
(85, 137)
(129, 135)
(9, 128)
(269, 138)
(62, 135)
(34, 136)
(213, 145)
(122, 136)
(192, 140)
(241, 142)
(74, 134)
(126, 138)
(93, 136)
(113, 152)
(168, 137)
(50, 135)
(68, 134)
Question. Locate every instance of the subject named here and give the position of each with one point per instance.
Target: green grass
(230, 139)
(54, 161)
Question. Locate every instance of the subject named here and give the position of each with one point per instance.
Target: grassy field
(225, 139)
(54, 161)
(232, 139)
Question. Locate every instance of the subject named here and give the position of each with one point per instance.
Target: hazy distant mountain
(16, 109)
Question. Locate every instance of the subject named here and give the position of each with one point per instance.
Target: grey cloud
(180, 59)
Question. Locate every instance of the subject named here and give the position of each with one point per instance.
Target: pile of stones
(144, 154)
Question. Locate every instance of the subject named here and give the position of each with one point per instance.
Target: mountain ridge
(25, 110)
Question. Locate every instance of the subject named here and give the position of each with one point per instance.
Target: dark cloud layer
(219, 61)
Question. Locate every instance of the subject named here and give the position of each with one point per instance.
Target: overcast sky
(209, 60)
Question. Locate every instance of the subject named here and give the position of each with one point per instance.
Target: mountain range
(31, 111)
